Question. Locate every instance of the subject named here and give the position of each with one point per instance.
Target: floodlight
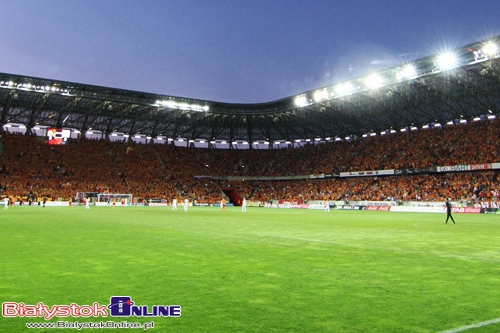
(491, 116)
(320, 95)
(447, 61)
(374, 81)
(407, 72)
(490, 49)
(344, 89)
(301, 101)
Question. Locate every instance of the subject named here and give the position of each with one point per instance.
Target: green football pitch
(266, 270)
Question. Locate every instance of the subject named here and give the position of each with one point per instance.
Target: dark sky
(230, 50)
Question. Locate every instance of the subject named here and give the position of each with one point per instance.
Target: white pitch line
(468, 327)
(440, 255)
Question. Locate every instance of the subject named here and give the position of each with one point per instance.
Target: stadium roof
(461, 85)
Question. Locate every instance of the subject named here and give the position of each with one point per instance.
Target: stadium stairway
(233, 195)
(164, 165)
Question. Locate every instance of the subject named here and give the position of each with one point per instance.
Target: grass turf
(262, 271)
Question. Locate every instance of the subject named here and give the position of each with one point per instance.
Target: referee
(448, 211)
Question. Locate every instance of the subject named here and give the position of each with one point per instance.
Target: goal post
(119, 199)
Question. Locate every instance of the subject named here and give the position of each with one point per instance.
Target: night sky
(229, 50)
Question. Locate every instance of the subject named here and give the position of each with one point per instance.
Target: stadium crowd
(31, 169)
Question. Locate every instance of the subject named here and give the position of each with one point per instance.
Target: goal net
(119, 199)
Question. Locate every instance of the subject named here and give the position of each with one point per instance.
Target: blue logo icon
(119, 306)
(123, 306)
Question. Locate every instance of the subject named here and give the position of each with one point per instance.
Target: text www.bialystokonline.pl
(84, 325)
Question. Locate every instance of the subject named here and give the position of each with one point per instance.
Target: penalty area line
(468, 327)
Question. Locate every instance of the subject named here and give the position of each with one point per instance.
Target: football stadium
(320, 212)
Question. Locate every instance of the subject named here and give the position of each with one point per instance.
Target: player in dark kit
(448, 211)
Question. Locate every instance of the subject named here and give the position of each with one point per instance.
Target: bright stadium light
(344, 89)
(320, 95)
(374, 81)
(447, 61)
(490, 49)
(301, 101)
(407, 72)
(171, 104)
